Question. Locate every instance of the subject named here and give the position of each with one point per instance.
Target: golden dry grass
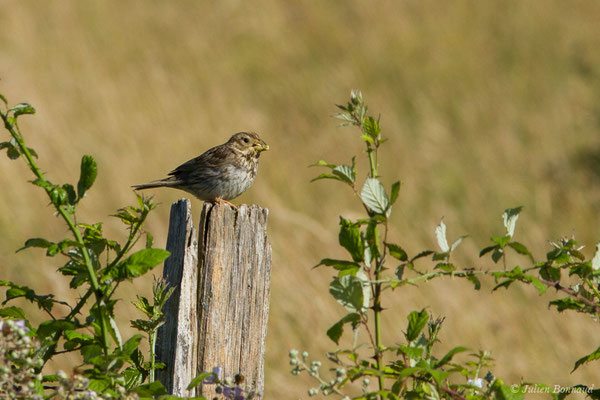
(487, 105)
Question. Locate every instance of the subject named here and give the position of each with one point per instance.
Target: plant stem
(16, 134)
(152, 339)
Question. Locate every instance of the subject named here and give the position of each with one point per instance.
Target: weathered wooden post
(230, 308)
(177, 338)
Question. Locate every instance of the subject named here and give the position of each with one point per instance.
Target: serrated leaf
(87, 176)
(348, 291)
(445, 267)
(510, 217)
(372, 239)
(416, 322)
(440, 236)
(12, 312)
(345, 172)
(371, 127)
(139, 263)
(567, 304)
(424, 253)
(349, 238)
(521, 249)
(396, 251)
(374, 196)
(22, 108)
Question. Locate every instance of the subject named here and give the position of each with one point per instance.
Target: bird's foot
(223, 201)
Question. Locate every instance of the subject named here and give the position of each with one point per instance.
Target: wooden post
(176, 339)
(224, 323)
(233, 293)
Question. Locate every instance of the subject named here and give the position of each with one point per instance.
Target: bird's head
(249, 143)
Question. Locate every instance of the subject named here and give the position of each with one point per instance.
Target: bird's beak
(262, 146)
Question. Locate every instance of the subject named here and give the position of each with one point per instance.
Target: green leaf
(497, 255)
(132, 344)
(346, 173)
(394, 192)
(487, 250)
(3, 99)
(12, 312)
(139, 263)
(199, 379)
(349, 238)
(13, 153)
(335, 332)
(590, 357)
(448, 267)
(71, 195)
(371, 127)
(396, 251)
(446, 359)
(22, 108)
(416, 323)
(422, 254)
(323, 163)
(372, 240)
(327, 176)
(374, 197)
(502, 241)
(521, 249)
(550, 273)
(87, 175)
(340, 265)
(474, 280)
(150, 389)
(567, 304)
(36, 242)
(348, 291)
(48, 328)
(414, 353)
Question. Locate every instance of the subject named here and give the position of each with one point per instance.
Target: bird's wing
(207, 161)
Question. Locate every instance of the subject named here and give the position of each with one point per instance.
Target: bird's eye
(246, 140)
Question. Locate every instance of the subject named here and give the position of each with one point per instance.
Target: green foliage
(412, 369)
(110, 365)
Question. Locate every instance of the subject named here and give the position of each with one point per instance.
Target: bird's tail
(167, 182)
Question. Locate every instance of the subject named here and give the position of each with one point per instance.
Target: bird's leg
(221, 201)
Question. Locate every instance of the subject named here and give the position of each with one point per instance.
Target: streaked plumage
(221, 173)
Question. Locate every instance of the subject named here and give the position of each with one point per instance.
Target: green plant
(412, 369)
(95, 263)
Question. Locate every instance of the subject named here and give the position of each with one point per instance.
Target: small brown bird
(221, 173)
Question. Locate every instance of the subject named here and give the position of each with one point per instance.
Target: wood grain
(233, 292)
(177, 338)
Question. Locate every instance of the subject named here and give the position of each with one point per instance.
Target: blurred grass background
(487, 105)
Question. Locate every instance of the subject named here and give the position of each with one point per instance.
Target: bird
(220, 174)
